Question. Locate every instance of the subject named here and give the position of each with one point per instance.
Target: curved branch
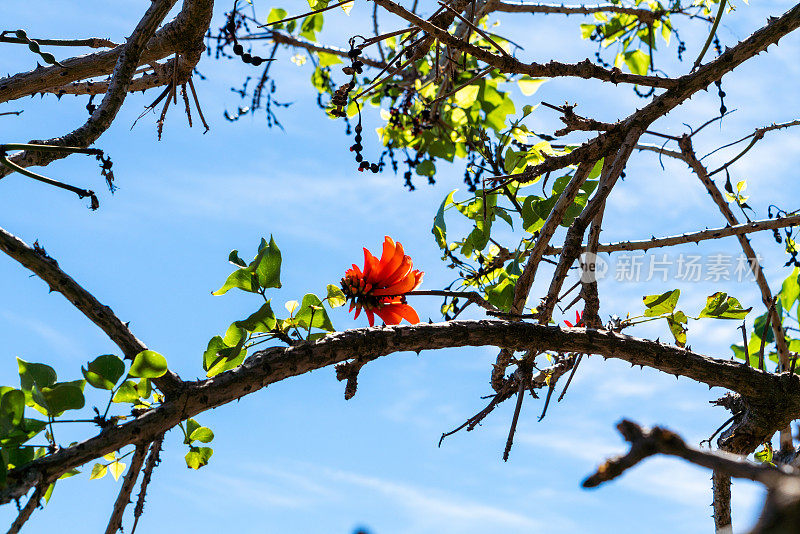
(46, 268)
(279, 363)
(510, 65)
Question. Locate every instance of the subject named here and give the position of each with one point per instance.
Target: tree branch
(46, 268)
(778, 393)
(694, 237)
(128, 483)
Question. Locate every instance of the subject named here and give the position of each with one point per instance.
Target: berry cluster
(339, 99)
(363, 164)
(357, 66)
(238, 49)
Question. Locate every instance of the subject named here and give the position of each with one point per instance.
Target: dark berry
(257, 60)
(247, 58)
(238, 49)
(374, 167)
(359, 157)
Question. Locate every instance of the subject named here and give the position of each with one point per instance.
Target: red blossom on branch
(578, 320)
(381, 286)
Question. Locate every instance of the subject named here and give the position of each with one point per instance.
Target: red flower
(381, 287)
(578, 320)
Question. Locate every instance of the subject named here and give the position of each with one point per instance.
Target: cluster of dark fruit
(418, 123)
(339, 99)
(363, 164)
(357, 66)
(238, 49)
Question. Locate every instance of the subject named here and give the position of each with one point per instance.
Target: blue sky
(297, 456)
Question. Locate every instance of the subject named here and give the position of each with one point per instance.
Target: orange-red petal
(409, 314)
(389, 315)
(392, 263)
(403, 286)
(401, 272)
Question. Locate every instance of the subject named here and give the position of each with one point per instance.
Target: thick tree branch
(275, 364)
(510, 65)
(46, 268)
(554, 220)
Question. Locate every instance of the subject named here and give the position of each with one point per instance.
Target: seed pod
(48, 57)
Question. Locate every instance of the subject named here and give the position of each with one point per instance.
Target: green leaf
(98, 471)
(677, 329)
(439, 229)
(426, 168)
(637, 61)
(310, 26)
(61, 397)
(127, 392)
(197, 457)
(116, 468)
(268, 264)
(234, 258)
(312, 315)
(721, 306)
(191, 426)
(276, 14)
(14, 436)
(336, 296)
(148, 364)
(660, 304)
(765, 454)
(220, 357)
(243, 279)
(35, 373)
(203, 434)
(12, 407)
(501, 294)
(790, 290)
(104, 371)
(261, 321)
(529, 85)
(144, 388)
(326, 59)
(466, 96)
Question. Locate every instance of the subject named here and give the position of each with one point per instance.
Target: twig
(694, 237)
(28, 510)
(153, 459)
(717, 18)
(48, 270)
(128, 483)
(321, 10)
